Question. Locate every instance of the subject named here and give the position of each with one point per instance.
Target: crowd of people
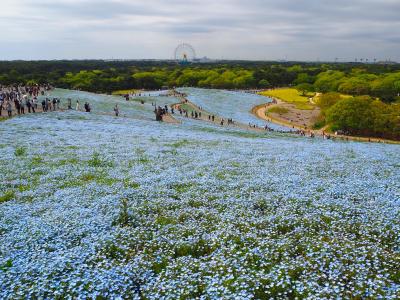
(18, 100)
(160, 111)
(23, 99)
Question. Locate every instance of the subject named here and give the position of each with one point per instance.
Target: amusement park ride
(185, 54)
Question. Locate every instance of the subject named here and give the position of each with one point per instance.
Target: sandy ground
(295, 118)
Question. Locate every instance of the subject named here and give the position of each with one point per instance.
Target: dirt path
(260, 112)
(168, 118)
(294, 118)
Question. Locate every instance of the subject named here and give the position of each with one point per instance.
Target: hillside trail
(217, 119)
(168, 118)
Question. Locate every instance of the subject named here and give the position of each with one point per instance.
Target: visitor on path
(43, 105)
(159, 113)
(22, 106)
(116, 110)
(213, 117)
(34, 104)
(54, 104)
(9, 108)
(77, 105)
(222, 122)
(28, 105)
(17, 106)
(69, 103)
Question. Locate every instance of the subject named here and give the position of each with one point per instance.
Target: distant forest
(377, 80)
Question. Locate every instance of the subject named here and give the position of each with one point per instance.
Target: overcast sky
(231, 29)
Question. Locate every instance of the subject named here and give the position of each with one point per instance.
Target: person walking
(22, 106)
(9, 108)
(17, 106)
(28, 105)
(116, 110)
(77, 105)
(34, 105)
(48, 104)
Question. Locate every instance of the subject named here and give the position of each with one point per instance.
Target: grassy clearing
(278, 110)
(290, 96)
(124, 92)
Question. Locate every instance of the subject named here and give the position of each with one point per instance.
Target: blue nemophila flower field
(93, 206)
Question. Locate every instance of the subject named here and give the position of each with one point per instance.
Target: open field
(97, 206)
(290, 95)
(125, 92)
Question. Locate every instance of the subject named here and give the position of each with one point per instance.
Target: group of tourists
(21, 98)
(51, 105)
(160, 112)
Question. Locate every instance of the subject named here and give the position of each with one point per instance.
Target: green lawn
(291, 96)
(124, 92)
(278, 110)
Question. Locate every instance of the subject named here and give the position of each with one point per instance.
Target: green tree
(329, 81)
(305, 88)
(264, 84)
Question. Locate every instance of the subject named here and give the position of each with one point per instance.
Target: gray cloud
(252, 29)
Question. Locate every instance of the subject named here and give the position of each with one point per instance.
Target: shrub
(20, 151)
(9, 195)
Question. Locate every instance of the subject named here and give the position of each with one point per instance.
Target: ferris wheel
(184, 53)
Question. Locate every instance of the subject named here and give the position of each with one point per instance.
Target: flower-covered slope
(95, 206)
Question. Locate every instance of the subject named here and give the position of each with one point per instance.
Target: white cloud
(252, 29)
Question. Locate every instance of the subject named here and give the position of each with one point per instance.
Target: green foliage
(6, 265)
(264, 84)
(365, 116)
(329, 81)
(305, 88)
(96, 161)
(327, 100)
(7, 196)
(20, 151)
(123, 218)
(355, 86)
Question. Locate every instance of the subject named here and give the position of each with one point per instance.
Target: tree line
(377, 80)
